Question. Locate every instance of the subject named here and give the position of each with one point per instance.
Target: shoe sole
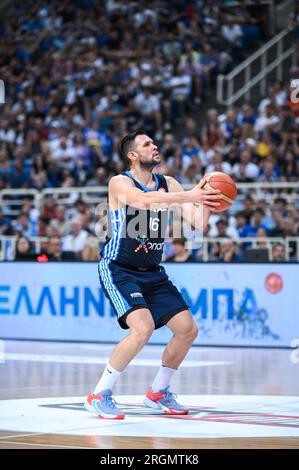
(102, 415)
(157, 406)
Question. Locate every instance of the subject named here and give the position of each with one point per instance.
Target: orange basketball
(227, 186)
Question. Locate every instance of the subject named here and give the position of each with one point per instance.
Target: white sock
(107, 380)
(163, 378)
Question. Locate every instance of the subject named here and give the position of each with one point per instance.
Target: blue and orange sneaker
(103, 405)
(164, 400)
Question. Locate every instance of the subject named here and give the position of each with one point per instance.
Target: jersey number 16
(154, 224)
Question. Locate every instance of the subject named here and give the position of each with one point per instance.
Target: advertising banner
(233, 304)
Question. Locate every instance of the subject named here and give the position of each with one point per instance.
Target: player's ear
(132, 156)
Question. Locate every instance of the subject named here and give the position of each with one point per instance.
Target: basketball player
(138, 288)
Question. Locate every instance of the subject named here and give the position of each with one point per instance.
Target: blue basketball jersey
(135, 236)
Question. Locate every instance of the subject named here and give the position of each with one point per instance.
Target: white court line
(22, 435)
(102, 360)
(47, 445)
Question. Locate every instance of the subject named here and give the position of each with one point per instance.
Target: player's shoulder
(119, 178)
(122, 179)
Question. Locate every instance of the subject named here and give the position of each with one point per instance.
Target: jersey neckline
(142, 185)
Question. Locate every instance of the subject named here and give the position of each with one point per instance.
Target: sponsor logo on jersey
(145, 244)
(136, 294)
(155, 246)
(142, 244)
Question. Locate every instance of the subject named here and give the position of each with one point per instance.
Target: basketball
(227, 186)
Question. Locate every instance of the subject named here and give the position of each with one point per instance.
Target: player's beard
(148, 165)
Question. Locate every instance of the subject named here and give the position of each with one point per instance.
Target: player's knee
(144, 332)
(194, 331)
(191, 332)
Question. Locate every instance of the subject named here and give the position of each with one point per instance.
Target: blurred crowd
(80, 74)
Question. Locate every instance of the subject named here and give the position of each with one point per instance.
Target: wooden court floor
(238, 398)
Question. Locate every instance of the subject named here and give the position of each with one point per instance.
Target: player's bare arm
(123, 192)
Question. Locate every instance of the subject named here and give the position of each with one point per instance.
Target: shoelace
(170, 396)
(108, 400)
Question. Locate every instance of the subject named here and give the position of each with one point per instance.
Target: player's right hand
(210, 197)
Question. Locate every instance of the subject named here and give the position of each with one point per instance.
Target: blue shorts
(130, 288)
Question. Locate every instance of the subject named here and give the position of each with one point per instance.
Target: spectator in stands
(293, 20)
(277, 229)
(133, 116)
(49, 207)
(229, 126)
(262, 233)
(196, 72)
(168, 147)
(82, 157)
(24, 250)
(43, 223)
(100, 179)
(280, 204)
(217, 164)
(91, 249)
(60, 222)
(222, 229)
(64, 155)
(268, 100)
(229, 252)
(243, 228)
(246, 170)
(32, 212)
(267, 120)
(232, 33)
(181, 254)
(280, 93)
(75, 241)
(4, 163)
(248, 207)
(87, 222)
(5, 224)
(247, 114)
(214, 251)
(25, 226)
(19, 176)
(278, 253)
(79, 209)
(192, 174)
(257, 219)
(289, 167)
(180, 86)
(267, 172)
(191, 154)
(209, 61)
(289, 227)
(149, 106)
(290, 230)
(55, 253)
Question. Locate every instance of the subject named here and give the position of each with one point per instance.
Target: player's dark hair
(127, 144)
